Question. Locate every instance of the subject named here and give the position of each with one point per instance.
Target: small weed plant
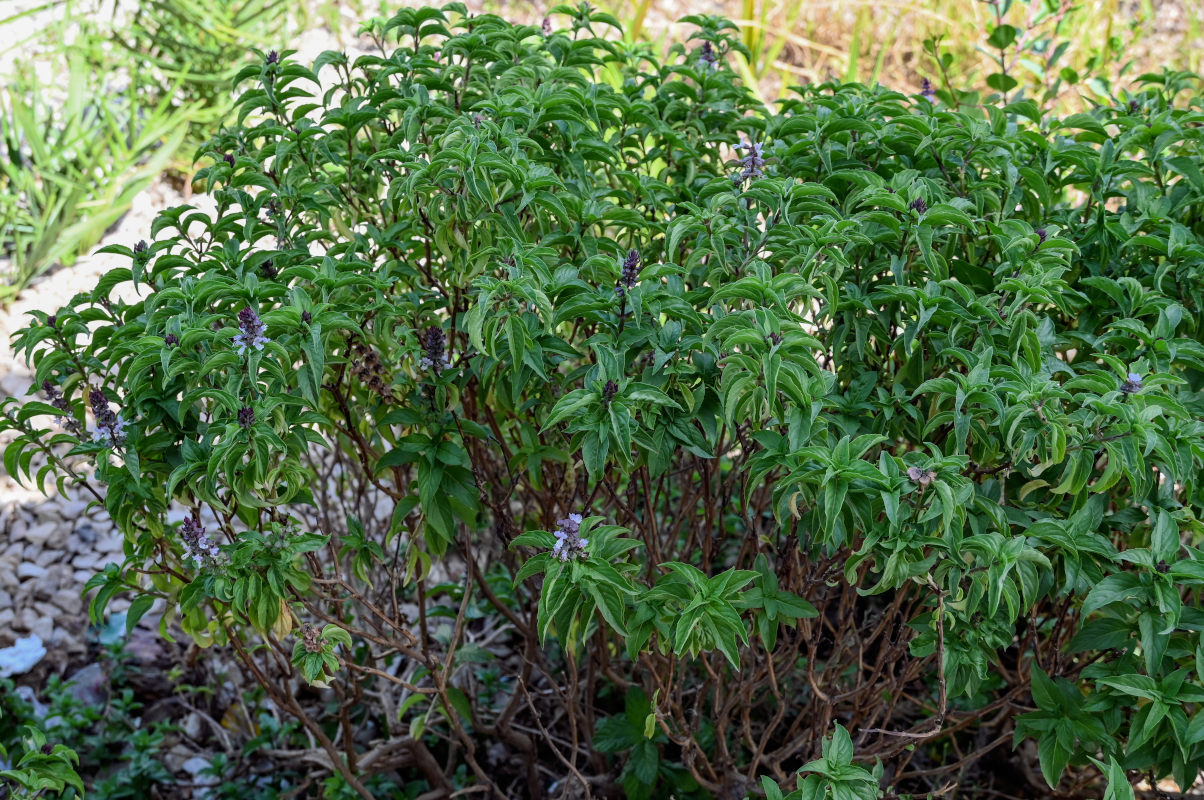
(579, 427)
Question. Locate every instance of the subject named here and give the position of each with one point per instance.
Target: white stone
(27, 570)
(39, 534)
(47, 557)
(43, 627)
(112, 542)
(21, 657)
(73, 509)
(89, 560)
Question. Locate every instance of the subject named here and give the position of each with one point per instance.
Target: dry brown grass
(810, 41)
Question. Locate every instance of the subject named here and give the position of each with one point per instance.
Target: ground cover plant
(572, 425)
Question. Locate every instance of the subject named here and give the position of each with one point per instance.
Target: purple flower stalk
(707, 56)
(630, 274)
(926, 89)
(1132, 384)
(110, 427)
(171, 340)
(246, 417)
(1041, 236)
(752, 161)
(273, 57)
(569, 544)
(434, 346)
(57, 400)
(197, 546)
(918, 205)
(546, 27)
(609, 391)
(252, 329)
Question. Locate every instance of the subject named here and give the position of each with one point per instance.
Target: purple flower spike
(110, 427)
(434, 347)
(569, 544)
(252, 329)
(197, 546)
(752, 161)
(630, 274)
(1132, 384)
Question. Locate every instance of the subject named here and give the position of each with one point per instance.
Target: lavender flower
(197, 546)
(926, 89)
(306, 317)
(434, 345)
(228, 158)
(273, 57)
(53, 320)
(171, 340)
(707, 56)
(774, 338)
(268, 268)
(252, 331)
(1132, 384)
(751, 162)
(110, 427)
(546, 27)
(246, 417)
(630, 274)
(57, 400)
(141, 247)
(569, 544)
(918, 205)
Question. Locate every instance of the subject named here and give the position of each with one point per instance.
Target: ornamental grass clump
(864, 461)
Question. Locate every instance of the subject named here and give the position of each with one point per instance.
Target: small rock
(40, 534)
(112, 542)
(88, 561)
(82, 576)
(192, 726)
(43, 628)
(22, 656)
(85, 532)
(68, 601)
(26, 693)
(47, 557)
(27, 570)
(73, 509)
(6, 617)
(91, 686)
